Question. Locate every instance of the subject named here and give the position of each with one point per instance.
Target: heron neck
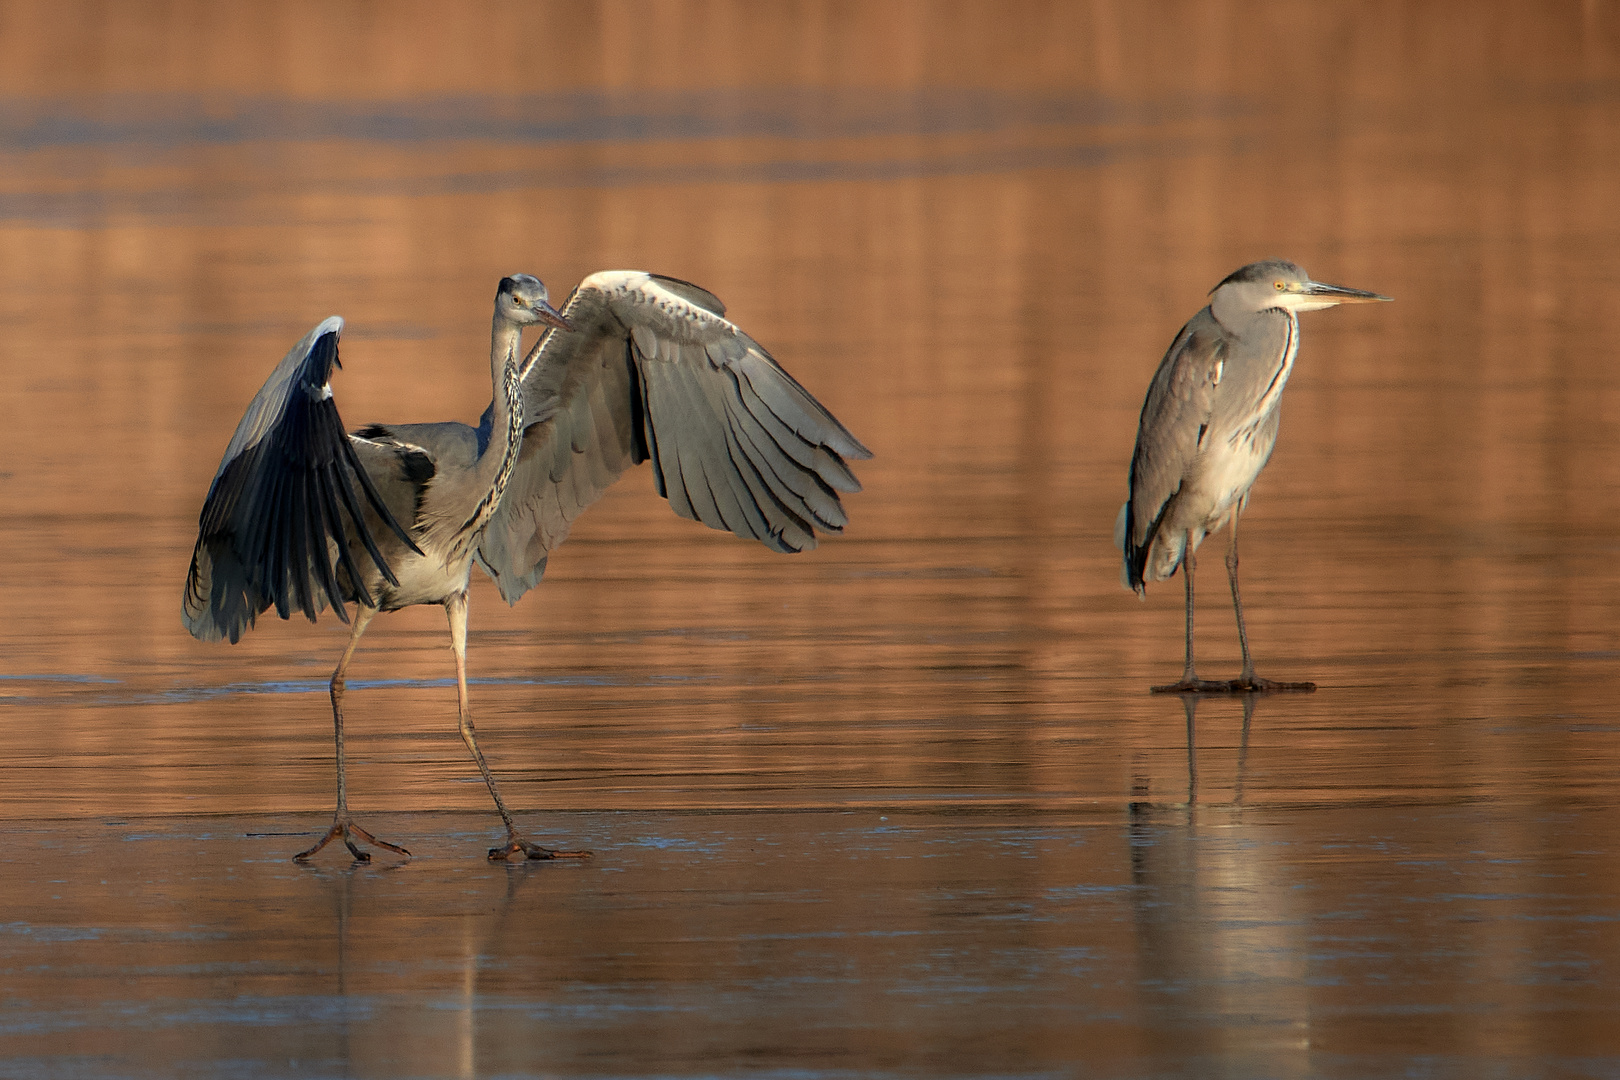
(1242, 318)
(506, 432)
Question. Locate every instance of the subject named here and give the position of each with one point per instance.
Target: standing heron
(1207, 429)
(635, 367)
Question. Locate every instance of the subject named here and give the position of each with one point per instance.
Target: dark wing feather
(1174, 418)
(654, 371)
(274, 517)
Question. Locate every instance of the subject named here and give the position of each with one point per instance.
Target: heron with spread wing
(635, 367)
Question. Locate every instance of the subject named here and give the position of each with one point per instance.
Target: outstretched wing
(273, 520)
(1175, 420)
(653, 370)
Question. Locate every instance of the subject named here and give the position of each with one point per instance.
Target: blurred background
(971, 229)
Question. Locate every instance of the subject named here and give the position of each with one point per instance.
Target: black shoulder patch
(417, 466)
(375, 431)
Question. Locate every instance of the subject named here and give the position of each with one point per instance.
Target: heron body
(1207, 429)
(302, 515)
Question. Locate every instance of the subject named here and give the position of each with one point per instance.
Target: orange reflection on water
(971, 231)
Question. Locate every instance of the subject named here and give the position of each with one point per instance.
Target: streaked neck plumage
(499, 458)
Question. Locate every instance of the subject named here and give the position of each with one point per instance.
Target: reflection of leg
(456, 608)
(1248, 681)
(1243, 748)
(342, 825)
(1189, 702)
(1190, 682)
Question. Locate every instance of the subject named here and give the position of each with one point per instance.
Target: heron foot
(347, 830)
(1254, 684)
(515, 844)
(1197, 686)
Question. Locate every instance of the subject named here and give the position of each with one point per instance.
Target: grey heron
(1208, 427)
(635, 367)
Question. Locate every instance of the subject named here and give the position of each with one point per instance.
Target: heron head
(522, 299)
(1277, 283)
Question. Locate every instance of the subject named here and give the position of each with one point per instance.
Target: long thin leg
(1249, 682)
(1190, 682)
(456, 609)
(342, 825)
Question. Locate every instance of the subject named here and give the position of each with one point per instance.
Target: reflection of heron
(1189, 705)
(1208, 426)
(1221, 934)
(640, 367)
(1142, 799)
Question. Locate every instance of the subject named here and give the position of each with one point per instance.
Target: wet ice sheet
(1168, 941)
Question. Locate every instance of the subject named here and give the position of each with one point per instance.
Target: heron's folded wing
(1175, 417)
(653, 370)
(273, 521)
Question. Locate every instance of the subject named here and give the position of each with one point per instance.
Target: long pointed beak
(1338, 294)
(552, 317)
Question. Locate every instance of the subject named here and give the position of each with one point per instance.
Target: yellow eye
(1280, 285)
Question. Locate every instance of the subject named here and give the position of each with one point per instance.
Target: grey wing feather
(1175, 417)
(653, 371)
(273, 521)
